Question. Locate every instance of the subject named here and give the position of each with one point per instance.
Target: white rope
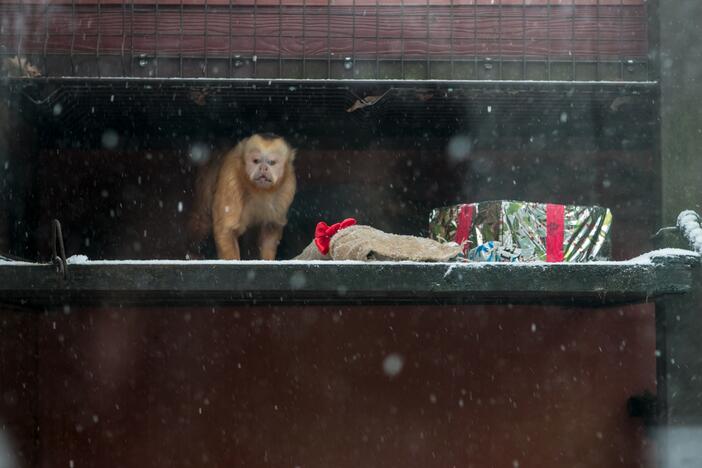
(690, 224)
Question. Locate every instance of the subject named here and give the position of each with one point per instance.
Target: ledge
(643, 279)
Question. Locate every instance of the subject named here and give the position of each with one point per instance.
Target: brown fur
(229, 201)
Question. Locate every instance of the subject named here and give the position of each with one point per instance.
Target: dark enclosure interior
(115, 161)
(131, 98)
(395, 108)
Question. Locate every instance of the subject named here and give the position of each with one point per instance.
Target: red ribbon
(555, 217)
(465, 223)
(323, 233)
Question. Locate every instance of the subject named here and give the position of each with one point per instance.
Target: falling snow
(392, 364)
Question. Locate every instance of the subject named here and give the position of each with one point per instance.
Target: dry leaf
(198, 96)
(365, 102)
(619, 102)
(424, 96)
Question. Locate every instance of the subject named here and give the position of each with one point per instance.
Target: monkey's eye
(272, 163)
(256, 161)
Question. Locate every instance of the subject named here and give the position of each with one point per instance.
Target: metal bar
(353, 32)
(180, 40)
(622, 58)
(46, 39)
(99, 37)
(124, 37)
(329, 68)
(73, 36)
(524, 40)
(131, 41)
(304, 56)
(499, 39)
(653, 39)
(670, 349)
(476, 66)
(452, 73)
(206, 70)
(18, 32)
(377, 38)
(156, 47)
(548, 40)
(229, 66)
(630, 87)
(58, 252)
(681, 412)
(428, 56)
(572, 40)
(597, 52)
(678, 328)
(661, 362)
(254, 57)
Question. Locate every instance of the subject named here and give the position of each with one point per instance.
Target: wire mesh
(312, 105)
(364, 39)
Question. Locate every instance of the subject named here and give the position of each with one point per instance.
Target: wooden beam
(289, 282)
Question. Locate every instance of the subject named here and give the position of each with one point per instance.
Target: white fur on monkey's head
(265, 159)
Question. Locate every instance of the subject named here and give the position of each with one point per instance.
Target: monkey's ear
(293, 153)
(239, 148)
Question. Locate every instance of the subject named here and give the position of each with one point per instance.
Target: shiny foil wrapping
(526, 231)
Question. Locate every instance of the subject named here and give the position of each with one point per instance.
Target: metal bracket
(644, 406)
(58, 258)
(659, 234)
(40, 102)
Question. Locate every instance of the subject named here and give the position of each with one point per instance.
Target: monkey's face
(265, 165)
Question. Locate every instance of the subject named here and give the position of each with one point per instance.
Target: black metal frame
(678, 323)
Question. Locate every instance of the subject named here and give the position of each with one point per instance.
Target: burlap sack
(365, 243)
(311, 252)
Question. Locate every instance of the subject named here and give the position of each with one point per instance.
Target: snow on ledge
(661, 253)
(643, 259)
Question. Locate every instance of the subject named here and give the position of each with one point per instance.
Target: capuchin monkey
(251, 186)
(18, 67)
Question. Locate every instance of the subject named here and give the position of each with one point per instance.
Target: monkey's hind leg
(268, 240)
(227, 241)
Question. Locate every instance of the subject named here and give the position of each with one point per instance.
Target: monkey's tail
(199, 222)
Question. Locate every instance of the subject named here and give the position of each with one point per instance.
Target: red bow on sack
(323, 233)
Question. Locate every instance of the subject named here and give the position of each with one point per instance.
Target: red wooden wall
(291, 386)
(295, 29)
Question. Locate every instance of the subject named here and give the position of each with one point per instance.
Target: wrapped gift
(500, 231)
